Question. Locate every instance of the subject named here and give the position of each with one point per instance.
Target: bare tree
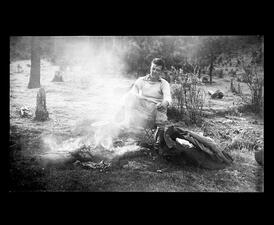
(211, 67)
(34, 81)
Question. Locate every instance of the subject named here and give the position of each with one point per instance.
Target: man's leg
(159, 139)
(161, 119)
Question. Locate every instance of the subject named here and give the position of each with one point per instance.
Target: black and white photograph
(112, 113)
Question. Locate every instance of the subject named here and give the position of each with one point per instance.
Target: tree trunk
(34, 81)
(41, 113)
(55, 52)
(210, 69)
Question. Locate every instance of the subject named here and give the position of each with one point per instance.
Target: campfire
(104, 132)
(95, 150)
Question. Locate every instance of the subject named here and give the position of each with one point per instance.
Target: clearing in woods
(75, 104)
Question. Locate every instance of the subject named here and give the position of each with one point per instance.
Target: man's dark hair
(159, 62)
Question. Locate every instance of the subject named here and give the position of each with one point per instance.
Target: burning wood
(105, 133)
(106, 142)
(135, 165)
(102, 165)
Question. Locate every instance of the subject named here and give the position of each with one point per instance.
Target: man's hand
(162, 105)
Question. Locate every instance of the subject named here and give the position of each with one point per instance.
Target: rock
(259, 157)
(205, 79)
(255, 122)
(217, 95)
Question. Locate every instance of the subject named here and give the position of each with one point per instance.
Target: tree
(204, 50)
(254, 77)
(211, 47)
(20, 48)
(142, 49)
(208, 50)
(34, 81)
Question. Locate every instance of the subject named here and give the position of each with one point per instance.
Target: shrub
(188, 100)
(219, 73)
(235, 87)
(254, 77)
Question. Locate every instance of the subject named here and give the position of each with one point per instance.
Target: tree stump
(58, 77)
(41, 113)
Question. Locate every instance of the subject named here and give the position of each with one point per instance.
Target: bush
(188, 100)
(254, 78)
(235, 87)
(219, 73)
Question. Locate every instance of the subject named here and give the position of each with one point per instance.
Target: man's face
(155, 71)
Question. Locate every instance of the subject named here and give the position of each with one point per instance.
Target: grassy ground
(76, 103)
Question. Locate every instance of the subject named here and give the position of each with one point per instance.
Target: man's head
(157, 68)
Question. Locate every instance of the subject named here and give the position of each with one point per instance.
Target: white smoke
(97, 69)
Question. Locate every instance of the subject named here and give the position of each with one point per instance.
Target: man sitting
(147, 101)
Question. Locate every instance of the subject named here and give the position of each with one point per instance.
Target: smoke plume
(95, 67)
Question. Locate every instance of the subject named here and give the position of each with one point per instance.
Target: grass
(72, 110)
